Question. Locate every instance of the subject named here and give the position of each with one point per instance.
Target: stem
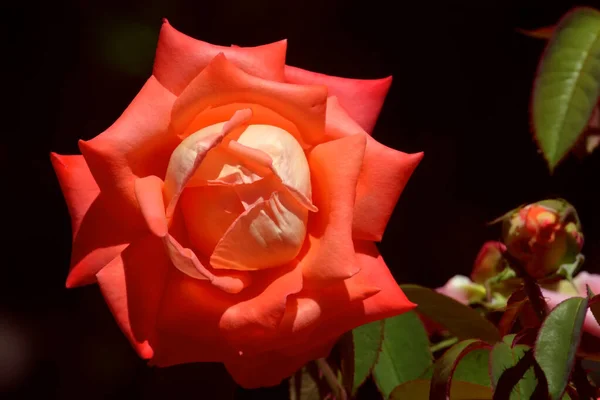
(534, 293)
(532, 289)
(331, 379)
(443, 344)
(583, 387)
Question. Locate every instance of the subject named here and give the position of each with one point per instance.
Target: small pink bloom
(553, 298)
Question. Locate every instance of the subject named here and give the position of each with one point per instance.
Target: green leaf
(419, 389)
(462, 321)
(509, 339)
(445, 366)
(557, 343)
(568, 270)
(567, 85)
(362, 354)
(503, 357)
(473, 368)
(404, 353)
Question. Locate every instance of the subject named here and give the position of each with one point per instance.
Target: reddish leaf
(443, 368)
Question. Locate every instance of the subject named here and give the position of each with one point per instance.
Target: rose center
(246, 205)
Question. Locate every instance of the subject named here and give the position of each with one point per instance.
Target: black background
(462, 79)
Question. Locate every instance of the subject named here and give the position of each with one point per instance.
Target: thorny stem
(582, 385)
(532, 289)
(331, 379)
(534, 293)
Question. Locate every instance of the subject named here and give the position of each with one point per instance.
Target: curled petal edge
(149, 191)
(189, 154)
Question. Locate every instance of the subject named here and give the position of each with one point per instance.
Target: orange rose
(229, 214)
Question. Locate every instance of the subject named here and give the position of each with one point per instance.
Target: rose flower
(230, 214)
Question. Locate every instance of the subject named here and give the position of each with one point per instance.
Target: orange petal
(77, 184)
(253, 321)
(309, 310)
(384, 175)
(222, 323)
(221, 82)
(218, 204)
(138, 144)
(188, 322)
(273, 148)
(362, 98)
(186, 261)
(179, 58)
(338, 123)
(98, 237)
(326, 313)
(261, 115)
(318, 321)
(271, 368)
(328, 253)
(268, 234)
(190, 153)
(390, 300)
(132, 285)
(149, 192)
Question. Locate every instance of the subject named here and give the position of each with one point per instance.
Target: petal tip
(69, 284)
(384, 83)
(56, 160)
(145, 351)
(74, 281)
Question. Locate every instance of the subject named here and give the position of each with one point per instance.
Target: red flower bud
(489, 262)
(543, 237)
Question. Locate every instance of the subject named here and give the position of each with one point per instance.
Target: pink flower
(553, 298)
(459, 288)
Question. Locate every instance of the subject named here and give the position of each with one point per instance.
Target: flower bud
(543, 236)
(489, 262)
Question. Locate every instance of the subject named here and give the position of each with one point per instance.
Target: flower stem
(331, 379)
(536, 299)
(532, 289)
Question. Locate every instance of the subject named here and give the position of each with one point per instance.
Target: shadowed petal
(132, 285)
(271, 368)
(187, 262)
(138, 144)
(328, 253)
(98, 237)
(149, 193)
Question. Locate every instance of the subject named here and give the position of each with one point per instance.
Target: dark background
(462, 78)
